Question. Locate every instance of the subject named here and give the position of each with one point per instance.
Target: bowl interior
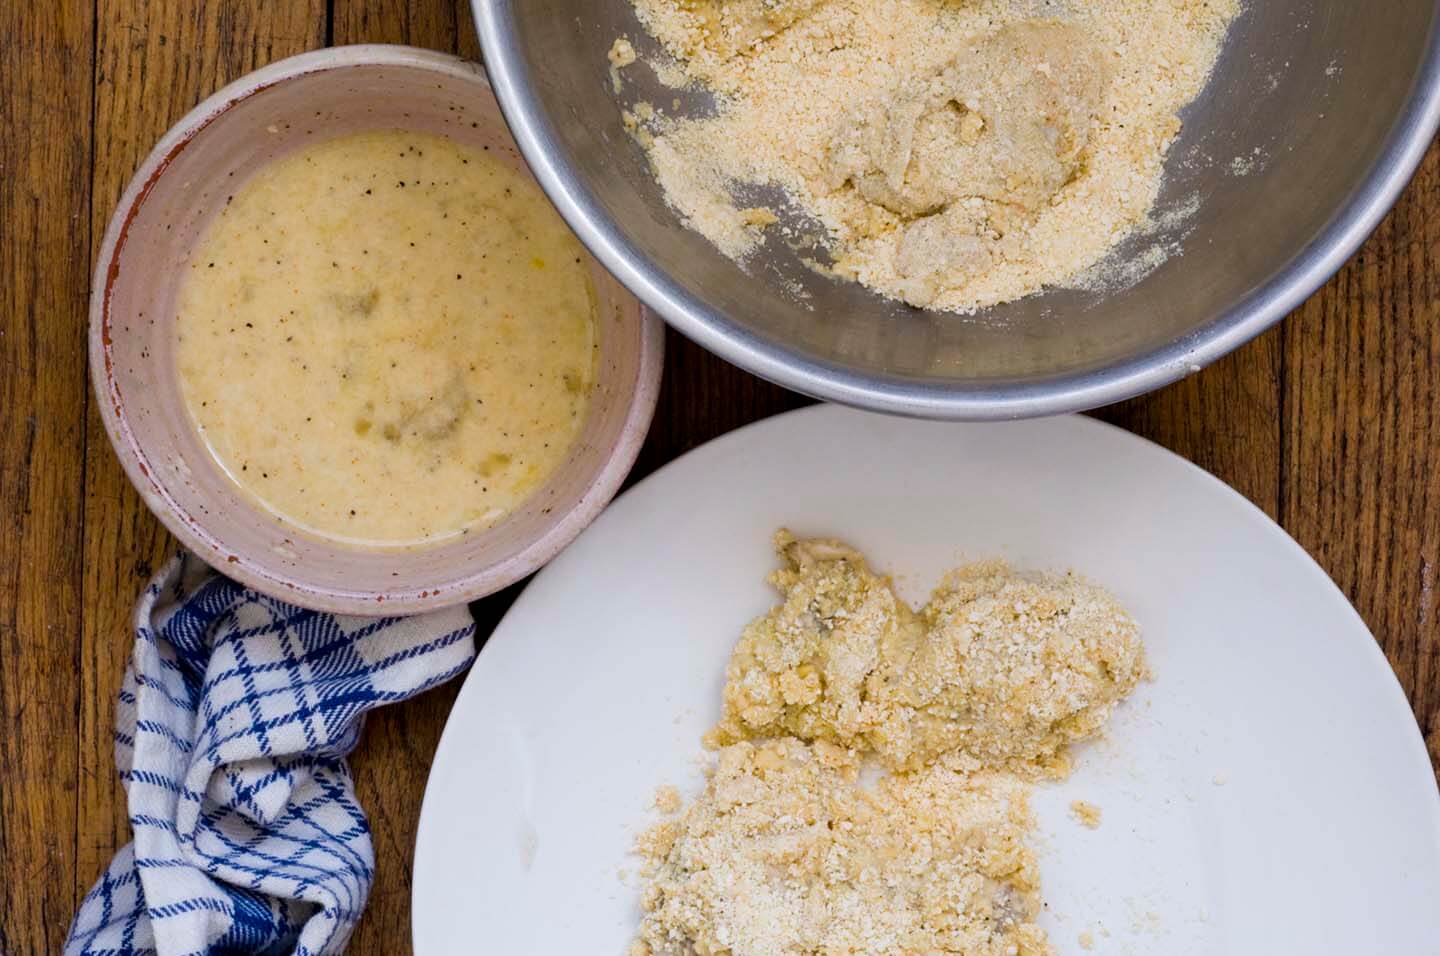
(1301, 108)
(139, 383)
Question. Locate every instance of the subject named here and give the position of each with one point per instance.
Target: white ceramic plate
(1268, 793)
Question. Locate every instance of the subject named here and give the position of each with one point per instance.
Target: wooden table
(1329, 422)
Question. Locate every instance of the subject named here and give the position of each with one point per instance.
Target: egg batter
(388, 338)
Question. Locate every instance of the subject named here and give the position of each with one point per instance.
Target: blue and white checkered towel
(234, 720)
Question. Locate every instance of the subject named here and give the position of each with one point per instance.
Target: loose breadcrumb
(667, 800)
(1088, 814)
(621, 55)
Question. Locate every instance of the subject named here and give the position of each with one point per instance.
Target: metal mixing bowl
(1317, 115)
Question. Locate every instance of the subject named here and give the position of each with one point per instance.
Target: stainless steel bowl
(1332, 104)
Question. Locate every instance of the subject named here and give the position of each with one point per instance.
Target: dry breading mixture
(787, 853)
(959, 153)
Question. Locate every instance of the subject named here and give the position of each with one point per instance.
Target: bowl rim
(472, 583)
(1351, 222)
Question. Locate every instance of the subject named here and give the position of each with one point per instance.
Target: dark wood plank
(1362, 437)
(1226, 419)
(155, 61)
(444, 25)
(703, 397)
(45, 76)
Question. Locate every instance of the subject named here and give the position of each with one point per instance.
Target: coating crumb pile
(786, 854)
(956, 153)
(999, 670)
(961, 704)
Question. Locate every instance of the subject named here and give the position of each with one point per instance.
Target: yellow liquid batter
(388, 338)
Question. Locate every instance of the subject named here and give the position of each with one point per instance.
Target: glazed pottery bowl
(177, 190)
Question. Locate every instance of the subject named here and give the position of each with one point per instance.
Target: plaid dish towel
(232, 728)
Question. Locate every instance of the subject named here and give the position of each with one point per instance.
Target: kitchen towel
(232, 727)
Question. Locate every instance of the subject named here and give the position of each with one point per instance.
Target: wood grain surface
(1330, 423)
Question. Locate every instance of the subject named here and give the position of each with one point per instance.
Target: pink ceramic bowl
(181, 184)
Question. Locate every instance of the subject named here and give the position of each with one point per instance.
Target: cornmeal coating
(1000, 670)
(951, 154)
(970, 154)
(785, 853)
